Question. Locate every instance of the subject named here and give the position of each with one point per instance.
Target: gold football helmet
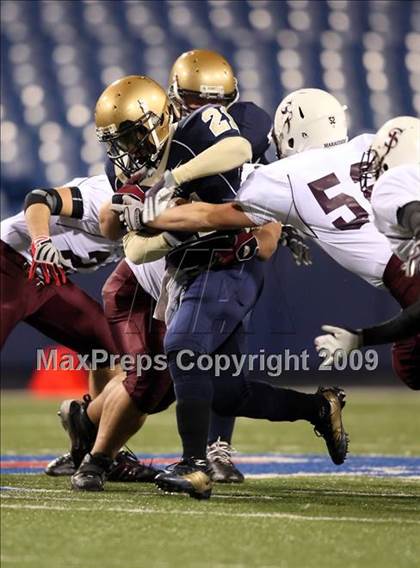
(133, 118)
(200, 77)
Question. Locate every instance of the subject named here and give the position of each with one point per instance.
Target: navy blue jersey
(255, 125)
(193, 135)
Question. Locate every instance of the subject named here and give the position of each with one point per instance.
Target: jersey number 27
(219, 119)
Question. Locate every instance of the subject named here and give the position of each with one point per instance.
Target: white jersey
(394, 189)
(79, 240)
(149, 275)
(318, 192)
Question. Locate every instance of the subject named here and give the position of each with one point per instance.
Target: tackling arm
(202, 217)
(404, 325)
(40, 204)
(268, 239)
(109, 223)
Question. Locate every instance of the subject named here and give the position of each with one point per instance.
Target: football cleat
(221, 467)
(189, 476)
(81, 430)
(92, 473)
(330, 424)
(61, 466)
(127, 468)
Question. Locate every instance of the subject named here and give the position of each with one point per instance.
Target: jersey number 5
(319, 187)
(220, 120)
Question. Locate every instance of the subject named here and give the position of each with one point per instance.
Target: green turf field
(286, 521)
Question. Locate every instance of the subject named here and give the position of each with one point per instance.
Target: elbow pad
(49, 197)
(52, 199)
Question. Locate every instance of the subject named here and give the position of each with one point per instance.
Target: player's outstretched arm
(109, 223)
(268, 237)
(404, 325)
(40, 204)
(202, 217)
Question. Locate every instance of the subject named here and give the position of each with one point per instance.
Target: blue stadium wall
(367, 53)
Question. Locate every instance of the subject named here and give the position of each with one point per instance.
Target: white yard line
(13, 492)
(145, 510)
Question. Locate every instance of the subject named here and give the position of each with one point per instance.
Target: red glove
(49, 260)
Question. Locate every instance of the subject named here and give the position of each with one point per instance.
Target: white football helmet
(308, 119)
(397, 142)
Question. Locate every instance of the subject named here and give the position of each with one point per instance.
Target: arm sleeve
(221, 157)
(142, 248)
(404, 325)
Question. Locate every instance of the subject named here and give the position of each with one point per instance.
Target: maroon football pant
(406, 353)
(129, 310)
(66, 313)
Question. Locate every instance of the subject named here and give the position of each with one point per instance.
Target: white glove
(158, 197)
(337, 338)
(130, 212)
(412, 265)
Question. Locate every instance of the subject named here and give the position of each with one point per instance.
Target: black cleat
(61, 466)
(127, 468)
(330, 425)
(92, 473)
(222, 469)
(189, 476)
(79, 427)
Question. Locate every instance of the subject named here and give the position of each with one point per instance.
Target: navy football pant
(212, 310)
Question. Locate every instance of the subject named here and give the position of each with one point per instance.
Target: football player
(317, 190)
(198, 77)
(191, 407)
(58, 233)
(242, 284)
(121, 287)
(392, 161)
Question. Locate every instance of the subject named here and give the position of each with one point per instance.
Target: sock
(193, 418)
(194, 394)
(282, 405)
(90, 430)
(221, 427)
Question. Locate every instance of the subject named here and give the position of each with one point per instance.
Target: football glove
(49, 260)
(337, 339)
(158, 197)
(294, 240)
(130, 210)
(244, 247)
(412, 265)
